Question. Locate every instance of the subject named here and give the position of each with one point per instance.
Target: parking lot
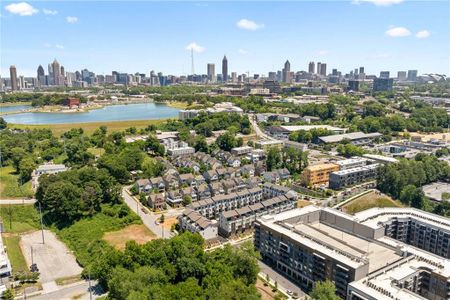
(53, 258)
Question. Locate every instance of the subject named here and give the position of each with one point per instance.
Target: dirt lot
(169, 221)
(370, 200)
(138, 233)
(53, 258)
(430, 136)
(303, 203)
(265, 291)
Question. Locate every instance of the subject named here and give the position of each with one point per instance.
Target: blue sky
(256, 36)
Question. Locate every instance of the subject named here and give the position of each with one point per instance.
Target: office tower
(13, 78)
(211, 70)
(224, 69)
(412, 75)
(353, 85)
(41, 76)
(323, 69)
(318, 67)
(287, 72)
(401, 75)
(356, 72)
(272, 75)
(56, 72)
(384, 74)
(233, 76)
(383, 84)
(63, 73)
(361, 70)
(21, 82)
(311, 67)
(334, 72)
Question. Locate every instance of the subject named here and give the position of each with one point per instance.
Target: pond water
(13, 108)
(141, 111)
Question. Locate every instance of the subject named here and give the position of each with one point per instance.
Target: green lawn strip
(9, 185)
(15, 253)
(357, 206)
(19, 218)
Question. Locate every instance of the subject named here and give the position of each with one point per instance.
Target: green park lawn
(19, 218)
(15, 255)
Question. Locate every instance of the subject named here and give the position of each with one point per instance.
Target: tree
(17, 154)
(162, 218)
(152, 167)
(226, 141)
(187, 199)
(200, 144)
(8, 294)
(273, 159)
(3, 123)
(324, 290)
(62, 201)
(26, 167)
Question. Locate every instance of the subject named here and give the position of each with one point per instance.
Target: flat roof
(292, 128)
(350, 136)
(435, 190)
(319, 167)
(355, 170)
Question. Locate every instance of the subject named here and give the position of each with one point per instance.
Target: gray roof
(230, 214)
(350, 136)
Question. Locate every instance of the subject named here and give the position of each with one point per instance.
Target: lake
(13, 108)
(142, 111)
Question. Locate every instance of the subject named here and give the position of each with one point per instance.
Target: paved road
(17, 201)
(149, 218)
(258, 130)
(282, 282)
(80, 290)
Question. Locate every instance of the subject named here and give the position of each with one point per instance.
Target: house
(216, 188)
(174, 198)
(189, 191)
(211, 176)
(158, 184)
(199, 179)
(222, 173)
(157, 201)
(271, 177)
(283, 173)
(203, 191)
(238, 151)
(171, 182)
(72, 102)
(230, 186)
(248, 171)
(187, 179)
(234, 162)
(46, 169)
(143, 185)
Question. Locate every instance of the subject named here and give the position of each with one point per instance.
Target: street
(78, 290)
(283, 283)
(17, 201)
(149, 219)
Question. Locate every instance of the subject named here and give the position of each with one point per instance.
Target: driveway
(17, 201)
(283, 283)
(149, 219)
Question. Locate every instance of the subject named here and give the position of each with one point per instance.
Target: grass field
(24, 218)
(96, 151)
(85, 237)
(9, 185)
(368, 201)
(14, 103)
(138, 233)
(303, 203)
(15, 255)
(89, 128)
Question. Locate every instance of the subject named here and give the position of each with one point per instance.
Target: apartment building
(319, 174)
(192, 221)
(241, 219)
(368, 256)
(271, 190)
(347, 177)
(353, 162)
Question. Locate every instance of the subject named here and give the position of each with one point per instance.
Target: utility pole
(90, 287)
(42, 225)
(32, 260)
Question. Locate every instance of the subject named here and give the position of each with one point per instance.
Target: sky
(257, 37)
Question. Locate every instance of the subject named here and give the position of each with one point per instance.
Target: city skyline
(392, 38)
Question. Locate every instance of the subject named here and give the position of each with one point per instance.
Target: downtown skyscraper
(13, 77)
(224, 69)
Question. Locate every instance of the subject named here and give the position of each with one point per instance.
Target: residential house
(211, 176)
(143, 185)
(157, 201)
(158, 184)
(248, 171)
(203, 191)
(187, 180)
(171, 182)
(234, 162)
(174, 198)
(192, 221)
(216, 188)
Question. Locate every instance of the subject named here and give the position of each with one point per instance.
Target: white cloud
(195, 47)
(49, 12)
(59, 46)
(379, 2)
(423, 34)
(243, 51)
(249, 25)
(21, 9)
(322, 52)
(398, 32)
(71, 20)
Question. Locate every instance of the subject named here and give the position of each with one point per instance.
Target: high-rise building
(383, 84)
(41, 76)
(272, 75)
(353, 85)
(311, 67)
(224, 69)
(384, 74)
(13, 78)
(318, 67)
(412, 75)
(323, 69)
(211, 69)
(63, 72)
(56, 68)
(361, 70)
(287, 72)
(233, 76)
(401, 75)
